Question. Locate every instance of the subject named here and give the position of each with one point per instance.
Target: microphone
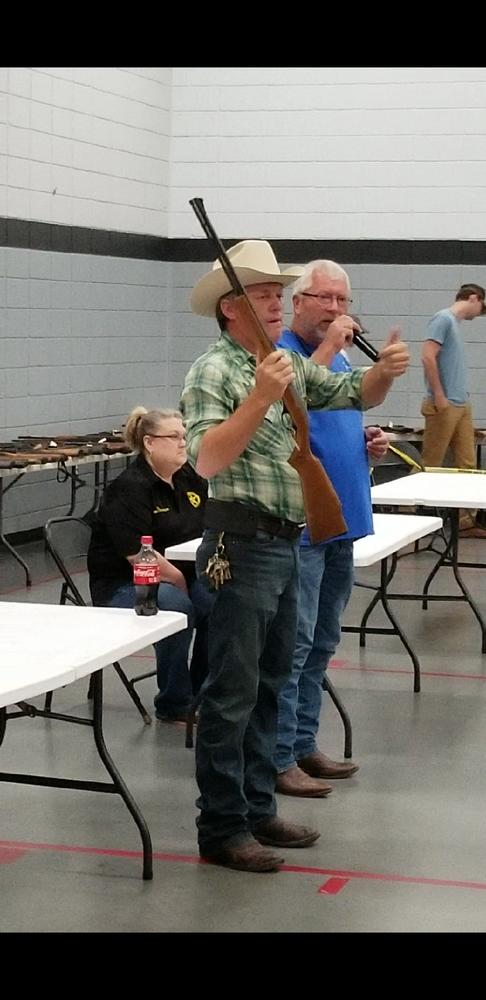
(364, 345)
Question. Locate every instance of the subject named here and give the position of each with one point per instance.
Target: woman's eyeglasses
(176, 436)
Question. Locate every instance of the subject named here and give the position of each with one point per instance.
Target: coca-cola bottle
(146, 578)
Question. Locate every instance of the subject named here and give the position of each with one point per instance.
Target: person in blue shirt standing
(446, 407)
(320, 329)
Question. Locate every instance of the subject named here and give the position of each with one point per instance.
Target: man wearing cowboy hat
(240, 438)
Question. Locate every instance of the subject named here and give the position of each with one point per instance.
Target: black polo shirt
(138, 503)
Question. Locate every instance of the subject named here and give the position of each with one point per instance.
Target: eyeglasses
(327, 300)
(172, 437)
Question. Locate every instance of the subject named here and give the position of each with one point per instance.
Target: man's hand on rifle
(272, 376)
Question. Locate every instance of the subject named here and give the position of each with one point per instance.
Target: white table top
(185, 551)
(44, 646)
(392, 532)
(434, 489)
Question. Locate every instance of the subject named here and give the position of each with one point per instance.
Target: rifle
(322, 505)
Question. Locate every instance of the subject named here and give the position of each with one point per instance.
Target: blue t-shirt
(337, 439)
(451, 359)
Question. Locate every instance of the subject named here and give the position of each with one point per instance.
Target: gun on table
(322, 505)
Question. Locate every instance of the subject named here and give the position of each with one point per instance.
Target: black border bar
(21, 233)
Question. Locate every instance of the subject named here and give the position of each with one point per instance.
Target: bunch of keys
(217, 569)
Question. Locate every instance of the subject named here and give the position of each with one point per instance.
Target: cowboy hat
(254, 262)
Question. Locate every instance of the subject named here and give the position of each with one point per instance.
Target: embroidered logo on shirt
(194, 498)
(161, 510)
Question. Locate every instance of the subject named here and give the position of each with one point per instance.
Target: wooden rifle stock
(322, 505)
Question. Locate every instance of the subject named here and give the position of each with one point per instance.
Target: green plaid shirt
(216, 385)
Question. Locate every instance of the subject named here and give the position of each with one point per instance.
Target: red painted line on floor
(346, 665)
(70, 849)
(193, 859)
(8, 855)
(381, 877)
(375, 670)
(333, 886)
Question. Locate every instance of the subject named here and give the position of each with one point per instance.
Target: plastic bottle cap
(147, 540)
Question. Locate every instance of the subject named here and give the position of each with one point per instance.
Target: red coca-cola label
(146, 573)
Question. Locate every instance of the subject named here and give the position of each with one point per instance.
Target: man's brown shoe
(278, 833)
(248, 856)
(294, 781)
(317, 765)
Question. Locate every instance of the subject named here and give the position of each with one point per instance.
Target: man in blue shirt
(320, 329)
(446, 407)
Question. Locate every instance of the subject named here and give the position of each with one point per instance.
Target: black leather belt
(279, 526)
(222, 515)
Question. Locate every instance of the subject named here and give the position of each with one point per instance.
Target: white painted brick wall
(83, 339)
(86, 146)
(283, 152)
(315, 152)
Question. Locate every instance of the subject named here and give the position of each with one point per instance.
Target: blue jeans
(176, 684)
(326, 581)
(251, 642)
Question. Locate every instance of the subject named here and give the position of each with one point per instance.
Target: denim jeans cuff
(282, 764)
(305, 750)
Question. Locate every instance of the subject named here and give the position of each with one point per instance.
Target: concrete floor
(402, 844)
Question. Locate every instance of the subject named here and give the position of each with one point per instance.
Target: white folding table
(46, 646)
(392, 533)
(449, 491)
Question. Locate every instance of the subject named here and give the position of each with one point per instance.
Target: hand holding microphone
(360, 340)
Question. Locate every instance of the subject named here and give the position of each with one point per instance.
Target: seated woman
(159, 494)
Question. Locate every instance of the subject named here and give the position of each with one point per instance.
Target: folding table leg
(3, 540)
(147, 718)
(118, 782)
(348, 734)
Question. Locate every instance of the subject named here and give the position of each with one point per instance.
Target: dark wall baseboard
(22, 537)
(22, 234)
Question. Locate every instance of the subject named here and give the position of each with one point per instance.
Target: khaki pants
(452, 428)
